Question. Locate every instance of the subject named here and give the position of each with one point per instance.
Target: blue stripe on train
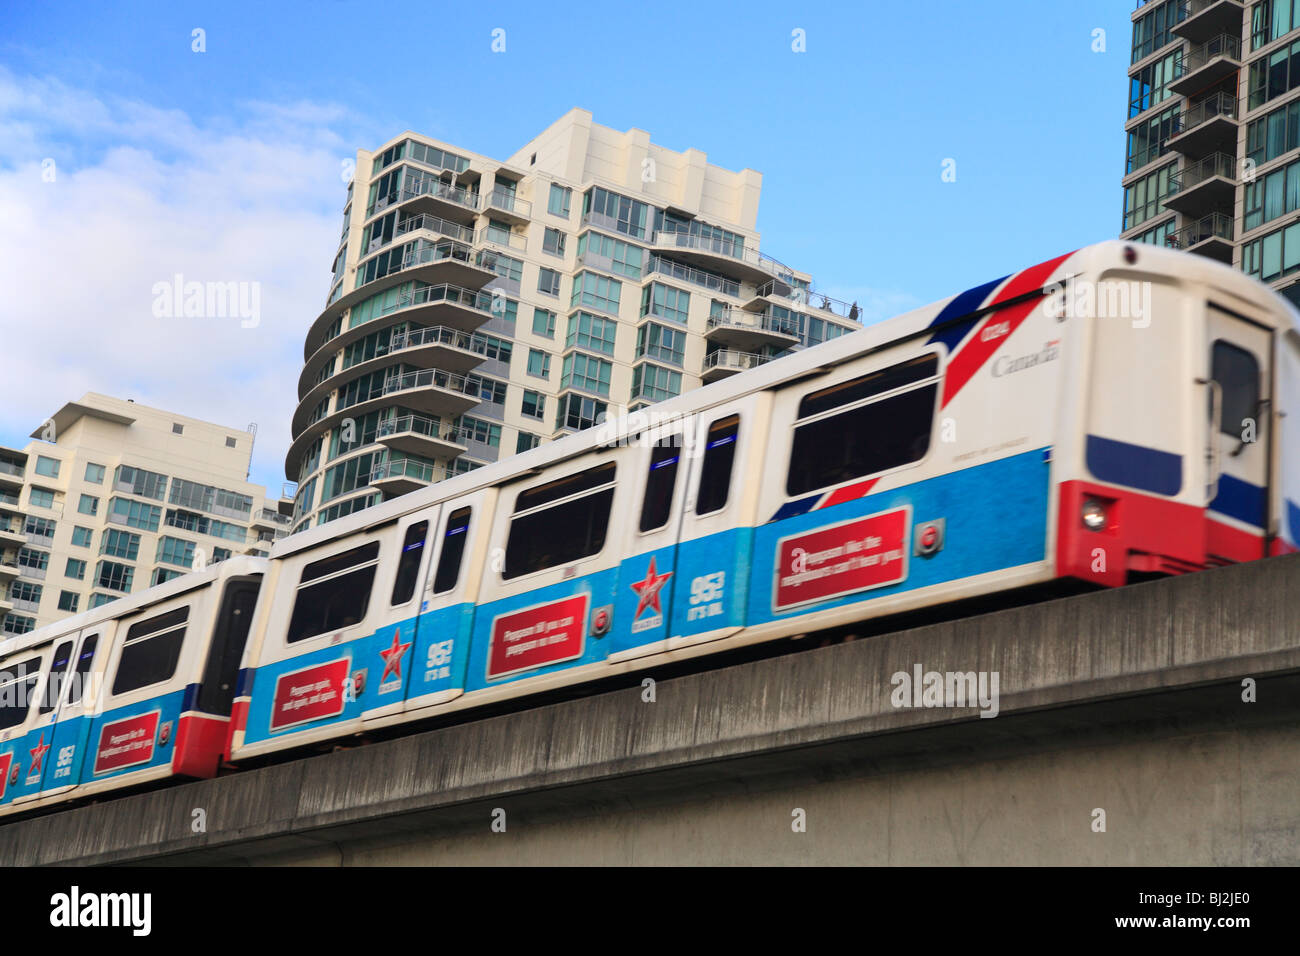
(1136, 466)
(963, 304)
(1241, 500)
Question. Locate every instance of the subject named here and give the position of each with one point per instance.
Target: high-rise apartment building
(112, 497)
(480, 307)
(1213, 157)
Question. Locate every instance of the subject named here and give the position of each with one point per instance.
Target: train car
(1122, 410)
(132, 692)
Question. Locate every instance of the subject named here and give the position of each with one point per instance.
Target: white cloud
(141, 194)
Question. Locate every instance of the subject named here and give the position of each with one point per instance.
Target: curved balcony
(725, 362)
(442, 199)
(731, 258)
(442, 304)
(435, 225)
(431, 391)
(807, 301)
(439, 346)
(418, 435)
(503, 204)
(749, 331)
(402, 475)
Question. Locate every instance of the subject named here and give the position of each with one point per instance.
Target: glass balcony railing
(1195, 173)
(811, 299)
(506, 201)
(431, 378)
(730, 359)
(1220, 104)
(452, 230)
(675, 270)
(1214, 226)
(756, 321)
(438, 189)
(430, 295)
(718, 245)
(8, 468)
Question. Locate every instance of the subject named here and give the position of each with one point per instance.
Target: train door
(156, 657)
(1286, 454)
(547, 599)
(1239, 438)
(458, 553)
(40, 717)
(710, 580)
(381, 669)
(74, 694)
(643, 605)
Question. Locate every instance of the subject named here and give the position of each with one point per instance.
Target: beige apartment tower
(479, 307)
(111, 497)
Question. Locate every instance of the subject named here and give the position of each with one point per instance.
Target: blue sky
(226, 163)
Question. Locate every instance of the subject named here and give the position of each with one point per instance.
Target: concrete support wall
(1129, 701)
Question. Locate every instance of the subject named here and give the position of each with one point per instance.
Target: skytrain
(1114, 413)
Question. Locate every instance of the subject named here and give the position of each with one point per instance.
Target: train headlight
(1094, 515)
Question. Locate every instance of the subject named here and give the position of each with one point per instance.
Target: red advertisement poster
(309, 694)
(536, 636)
(5, 760)
(852, 556)
(126, 742)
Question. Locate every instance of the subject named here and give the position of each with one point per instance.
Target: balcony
(502, 203)
(750, 331)
(1206, 64)
(12, 537)
(10, 570)
(1203, 187)
(434, 391)
(6, 605)
(418, 435)
(266, 518)
(684, 273)
(725, 362)
(1210, 237)
(402, 475)
(815, 304)
(440, 198)
(441, 347)
(506, 240)
(1203, 19)
(730, 257)
(9, 504)
(423, 222)
(11, 475)
(1206, 127)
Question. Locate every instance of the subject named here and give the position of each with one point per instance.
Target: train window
(1237, 373)
(151, 651)
(409, 565)
(59, 664)
(660, 483)
(82, 674)
(453, 550)
(560, 521)
(17, 685)
(338, 593)
(715, 473)
(848, 431)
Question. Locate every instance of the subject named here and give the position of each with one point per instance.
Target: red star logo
(38, 755)
(393, 657)
(647, 591)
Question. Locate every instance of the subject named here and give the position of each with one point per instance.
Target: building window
(1273, 75)
(32, 559)
(596, 291)
(75, 569)
(81, 536)
(591, 332)
(161, 575)
(1146, 142)
(49, 467)
(177, 428)
(40, 498)
(558, 203)
(661, 342)
(89, 505)
(230, 442)
(137, 481)
(94, 473)
(665, 302)
(654, 383)
(134, 514)
(539, 364)
(543, 323)
(113, 577)
(1274, 255)
(475, 429)
(1274, 133)
(119, 544)
(488, 389)
(1145, 198)
(533, 405)
(1271, 196)
(1150, 87)
(548, 282)
(1271, 20)
(26, 596)
(526, 442)
(1155, 29)
(40, 528)
(606, 252)
(579, 412)
(586, 372)
(612, 211)
(18, 624)
(553, 241)
(68, 601)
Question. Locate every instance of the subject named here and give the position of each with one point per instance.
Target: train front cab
(133, 691)
(1173, 461)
